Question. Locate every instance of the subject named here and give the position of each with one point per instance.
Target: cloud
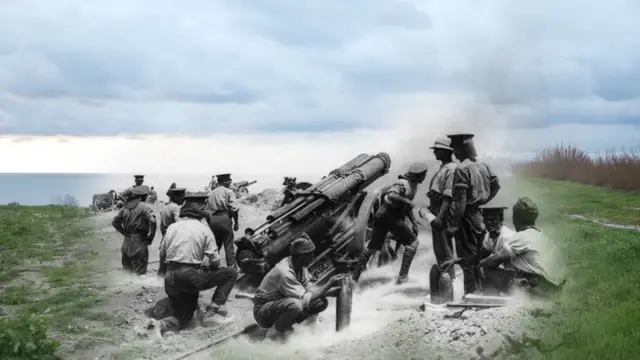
(202, 67)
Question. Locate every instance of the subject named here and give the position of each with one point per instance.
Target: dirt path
(386, 322)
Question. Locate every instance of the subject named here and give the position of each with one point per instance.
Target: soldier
(474, 185)
(193, 265)
(124, 196)
(440, 198)
(287, 296)
(170, 214)
(391, 217)
(153, 196)
(213, 183)
(137, 223)
(495, 240)
(287, 194)
(223, 208)
(530, 259)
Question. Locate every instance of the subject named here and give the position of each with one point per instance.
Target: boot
(361, 265)
(407, 259)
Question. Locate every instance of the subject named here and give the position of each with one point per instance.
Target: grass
(42, 264)
(600, 306)
(612, 170)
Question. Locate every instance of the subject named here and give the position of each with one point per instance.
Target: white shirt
(188, 241)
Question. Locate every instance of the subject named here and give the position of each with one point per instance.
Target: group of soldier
(195, 226)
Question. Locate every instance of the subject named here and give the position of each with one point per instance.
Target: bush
(25, 338)
(613, 170)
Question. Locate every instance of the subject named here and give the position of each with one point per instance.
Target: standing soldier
(391, 217)
(124, 196)
(193, 265)
(170, 214)
(474, 185)
(153, 196)
(223, 208)
(440, 198)
(137, 223)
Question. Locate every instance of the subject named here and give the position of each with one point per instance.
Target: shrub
(25, 338)
(613, 169)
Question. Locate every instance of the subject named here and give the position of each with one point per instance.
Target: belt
(220, 212)
(175, 265)
(134, 236)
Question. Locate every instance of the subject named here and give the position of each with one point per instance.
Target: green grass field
(600, 307)
(42, 255)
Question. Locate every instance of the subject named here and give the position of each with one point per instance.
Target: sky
(201, 85)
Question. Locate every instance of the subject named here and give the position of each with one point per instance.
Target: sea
(50, 188)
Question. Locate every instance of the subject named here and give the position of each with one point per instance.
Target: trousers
(183, 284)
(283, 313)
(222, 228)
(135, 254)
(468, 240)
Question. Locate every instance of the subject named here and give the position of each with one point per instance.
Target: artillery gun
(336, 213)
(103, 202)
(242, 187)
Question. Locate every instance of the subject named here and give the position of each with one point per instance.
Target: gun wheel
(364, 229)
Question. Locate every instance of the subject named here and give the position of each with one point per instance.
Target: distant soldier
(440, 199)
(287, 296)
(529, 259)
(124, 195)
(223, 208)
(496, 239)
(170, 214)
(397, 206)
(153, 196)
(474, 185)
(193, 265)
(288, 193)
(213, 183)
(137, 223)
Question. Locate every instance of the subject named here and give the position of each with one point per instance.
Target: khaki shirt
(136, 220)
(222, 198)
(188, 241)
(533, 252)
(169, 214)
(475, 178)
(283, 282)
(442, 181)
(500, 242)
(403, 188)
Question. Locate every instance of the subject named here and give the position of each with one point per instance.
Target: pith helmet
(443, 143)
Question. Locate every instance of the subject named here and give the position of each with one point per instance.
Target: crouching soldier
(495, 240)
(397, 206)
(193, 265)
(287, 296)
(137, 223)
(531, 260)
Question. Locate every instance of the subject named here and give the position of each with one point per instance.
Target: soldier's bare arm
(153, 224)
(233, 206)
(461, 185)
(210, 248)
(494, 184)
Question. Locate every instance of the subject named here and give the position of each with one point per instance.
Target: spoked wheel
(364, 229)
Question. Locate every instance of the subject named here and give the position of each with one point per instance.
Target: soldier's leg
(443, 248)
(183, 306)
(496, 281)
(126, 263)
(466, 246)
(404, 235)
(230, 249)
(314, 309)
(222, 279)
(378, 236)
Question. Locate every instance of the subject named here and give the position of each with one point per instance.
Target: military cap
(138, 177)
(459, 139)
(302, 245)
(526, 206)
(418, 168)
(196, 195)
(443, 143)
(223, 177)
(493, 210)
(140, 190)
(177, 191)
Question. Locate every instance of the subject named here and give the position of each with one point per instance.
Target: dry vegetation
(615, 170)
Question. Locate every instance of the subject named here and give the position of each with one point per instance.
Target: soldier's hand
(236, 227)
(415, 229)
(447, 264)
(436, 223)
(451, 230)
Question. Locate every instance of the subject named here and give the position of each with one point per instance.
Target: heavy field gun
(336, 213)
(242, 187)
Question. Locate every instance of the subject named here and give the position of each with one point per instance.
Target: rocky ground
(386, 321)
